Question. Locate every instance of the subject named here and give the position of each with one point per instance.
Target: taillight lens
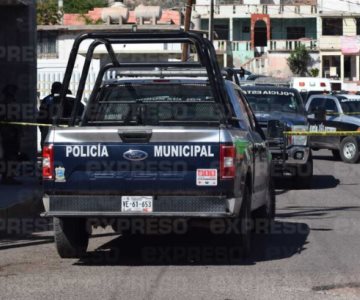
(48, 162)
(227, 162)
(302, 84)
(322, 84)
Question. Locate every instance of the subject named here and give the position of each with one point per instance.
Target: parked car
(290, 155)
(337, 112)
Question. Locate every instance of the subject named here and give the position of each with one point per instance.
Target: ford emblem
(135, 155)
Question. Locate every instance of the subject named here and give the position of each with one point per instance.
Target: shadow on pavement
(16, 232)
(319, 182)
(200, 248)
(312, 211)
(34, 239)
(27, 241)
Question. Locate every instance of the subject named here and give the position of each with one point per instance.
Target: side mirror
(275, 129)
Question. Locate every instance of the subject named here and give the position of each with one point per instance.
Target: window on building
(47, 45)
(222, 31)
(294, 33)
(357, 26)
(246, 29)
(332, 26)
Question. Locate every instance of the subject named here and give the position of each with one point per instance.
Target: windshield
(154, 104)
(274, 101)
(350, 105)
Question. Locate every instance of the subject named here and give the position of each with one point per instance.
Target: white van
(308, 86)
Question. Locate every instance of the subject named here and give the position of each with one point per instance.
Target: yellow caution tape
(287, 133)
(30, 124)
(337, 113)
(322, 133)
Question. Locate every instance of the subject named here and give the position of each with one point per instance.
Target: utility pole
(185, 47)
(211, 21)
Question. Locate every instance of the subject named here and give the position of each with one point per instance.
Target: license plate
(143, 204)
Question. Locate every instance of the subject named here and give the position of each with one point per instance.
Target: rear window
(265, 101)
(154, 104)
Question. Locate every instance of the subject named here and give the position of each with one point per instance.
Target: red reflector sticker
(206, 177)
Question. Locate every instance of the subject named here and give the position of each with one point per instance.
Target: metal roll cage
(205, 51)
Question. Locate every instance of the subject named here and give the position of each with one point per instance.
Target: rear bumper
(163, 206)
(296, 155)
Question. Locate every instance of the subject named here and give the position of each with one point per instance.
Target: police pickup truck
(290, 155)
(334, 113)
(164, 147)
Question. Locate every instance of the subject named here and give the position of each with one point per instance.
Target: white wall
(338, 7)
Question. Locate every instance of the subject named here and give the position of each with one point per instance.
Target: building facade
(339, 41)
(260, 34)
(256, 34)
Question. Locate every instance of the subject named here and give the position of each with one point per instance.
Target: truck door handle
(135, 136)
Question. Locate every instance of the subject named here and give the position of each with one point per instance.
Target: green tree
(48, 12)
(299, 61)
(314, 72)
(82, 6)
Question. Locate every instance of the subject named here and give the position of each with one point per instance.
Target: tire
(304, 174)
(265, 215)
(71, 237)
(349, 150)
(336, 154)
(246, 223)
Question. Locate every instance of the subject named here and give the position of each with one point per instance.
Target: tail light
(301, 83)
(322, 84)
(48, 162)
(227, 162)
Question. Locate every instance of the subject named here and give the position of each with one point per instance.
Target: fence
(46, 78)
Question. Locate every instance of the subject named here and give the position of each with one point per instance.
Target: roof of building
(105, 27)
(168, 16)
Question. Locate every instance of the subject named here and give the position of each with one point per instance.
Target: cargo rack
(204, 48)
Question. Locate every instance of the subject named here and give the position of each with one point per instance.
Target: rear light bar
(48, 162)
(227, 162)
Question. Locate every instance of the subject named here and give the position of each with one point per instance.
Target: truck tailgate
(168, 161)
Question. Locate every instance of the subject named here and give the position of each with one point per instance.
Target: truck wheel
(304, 174)
(246, 223)
(71, 237)
(265, 215)
(336, 154)
(349, 150)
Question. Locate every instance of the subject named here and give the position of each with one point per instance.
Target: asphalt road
(313, 251)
